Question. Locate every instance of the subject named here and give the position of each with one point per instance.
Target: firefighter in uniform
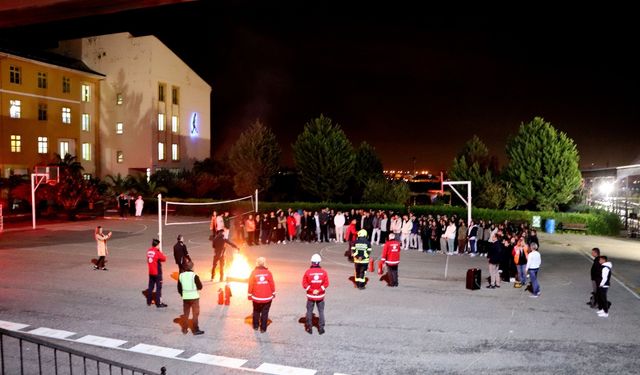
(262, 290)
(315, 281)
(360, 251)
(391, 257)
(188, 286)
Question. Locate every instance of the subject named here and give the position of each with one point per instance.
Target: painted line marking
(11, 326)
(270, 368)
(217, 360)
(160, 351)
(100, 341)
(53, 333)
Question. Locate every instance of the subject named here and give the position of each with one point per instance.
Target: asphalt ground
(428, 325)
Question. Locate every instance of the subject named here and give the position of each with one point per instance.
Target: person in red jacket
(391, 257)
(154, 259)
(350, 235)
(315, 281)
(262, 290)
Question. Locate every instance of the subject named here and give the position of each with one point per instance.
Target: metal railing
(30, 355)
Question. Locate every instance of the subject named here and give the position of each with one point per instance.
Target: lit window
(66, 85)
(119, 128)
(86, 176)
(160, 151)
(66, 115)
(64, 148)
(174, 124)
(42, 112)
(119, 157)
(43, 145)
(161, 122)
(86, 93)
(161, 92)
(119, 99)
(16, 143)
(42, 80)
(174, 95)
(15, 74)
(14, 108)
(175, 155)
(86, 122)
(86, 151)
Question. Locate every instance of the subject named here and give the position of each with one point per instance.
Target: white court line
(321, 252)
(50, 332)
(217, 360)
(270, 368)
(11, 326)
(615, 278)
(100, 341)
(160, 351)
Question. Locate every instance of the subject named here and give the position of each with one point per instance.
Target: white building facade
(154, 110)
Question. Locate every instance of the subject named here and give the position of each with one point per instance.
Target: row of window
(43, 146)
(175, 125)
(174, 93)
(15, 111)
(15, 76)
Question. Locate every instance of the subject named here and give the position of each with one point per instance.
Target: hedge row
(598, 221)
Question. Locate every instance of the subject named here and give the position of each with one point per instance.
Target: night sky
(409, 82)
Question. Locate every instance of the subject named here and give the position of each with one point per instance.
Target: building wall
(134, 68)
(29, 127)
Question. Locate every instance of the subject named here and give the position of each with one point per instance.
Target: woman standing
(101, 240)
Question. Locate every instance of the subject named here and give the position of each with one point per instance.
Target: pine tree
(254, 158)
(473, 163)
(543, 166)
(324, 158)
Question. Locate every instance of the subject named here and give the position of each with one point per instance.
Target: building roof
(51, 58)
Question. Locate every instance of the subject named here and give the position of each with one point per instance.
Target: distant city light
(606, 188)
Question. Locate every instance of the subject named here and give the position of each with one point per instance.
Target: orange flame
(239, 269)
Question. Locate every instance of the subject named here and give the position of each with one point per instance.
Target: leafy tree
(497, 195)
(141, 186)
(324, 158)
(255, 158)
(543, 166)
(368, 165)
(474, 164)
(117, 184)
(383, 191)
(72, 189)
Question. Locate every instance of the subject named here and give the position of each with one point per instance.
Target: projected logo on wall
(194, 125)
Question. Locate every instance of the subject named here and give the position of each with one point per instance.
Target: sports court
(428, 324)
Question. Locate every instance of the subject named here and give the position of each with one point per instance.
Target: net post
(256, 200)
(33, 202)
(160, 220)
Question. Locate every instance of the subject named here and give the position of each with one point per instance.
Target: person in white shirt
(139, 206)
(533, 265)
(450, 236)
(406, 232)
(338, 220)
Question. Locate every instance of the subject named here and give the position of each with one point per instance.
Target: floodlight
(606, 188)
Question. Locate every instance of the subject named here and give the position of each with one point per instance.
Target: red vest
(262, 289)
(391, 252)
(315, 281)
(153, 256)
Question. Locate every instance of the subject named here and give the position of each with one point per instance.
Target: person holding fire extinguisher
(391, 257)
(315, 281)
(361, 250)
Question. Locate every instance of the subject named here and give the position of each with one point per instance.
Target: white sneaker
(600, 312)
(604, 315)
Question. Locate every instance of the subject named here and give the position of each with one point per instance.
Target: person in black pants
(603, 288)
(180, 253)
(596, 275)
(219, 243)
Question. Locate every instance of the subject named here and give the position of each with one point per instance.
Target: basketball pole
(256, 200)
(33, 202)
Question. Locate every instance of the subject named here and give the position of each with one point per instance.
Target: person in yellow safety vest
(360, 251)
(188, 286)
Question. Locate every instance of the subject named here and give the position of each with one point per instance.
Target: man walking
(603, 287)
(188, 286)
(180, 253)
(315, 281)
(219, 243)
(361, 250)
(154, 259)
(262, 290)
(391, 257)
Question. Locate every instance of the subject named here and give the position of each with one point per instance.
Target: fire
(239, 269)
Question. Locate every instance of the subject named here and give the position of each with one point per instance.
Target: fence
(24, 354)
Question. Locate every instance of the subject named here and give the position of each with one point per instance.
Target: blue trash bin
(550, 225)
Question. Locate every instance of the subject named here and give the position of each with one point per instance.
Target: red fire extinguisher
(227, 294)
(380, 265)
(220, 296)
(371, 262)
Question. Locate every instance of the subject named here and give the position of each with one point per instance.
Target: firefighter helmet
(362, 233)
